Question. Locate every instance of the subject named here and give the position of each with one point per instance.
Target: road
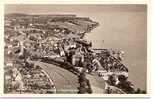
(97, 84)
(64, 80)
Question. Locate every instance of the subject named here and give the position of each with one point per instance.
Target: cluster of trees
(125, 85)
(139, 91)
(84, 84)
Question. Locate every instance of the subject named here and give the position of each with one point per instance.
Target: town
(35, 43)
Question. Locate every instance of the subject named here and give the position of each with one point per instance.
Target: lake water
(124, 31)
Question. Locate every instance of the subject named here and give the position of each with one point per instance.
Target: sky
(122, 27)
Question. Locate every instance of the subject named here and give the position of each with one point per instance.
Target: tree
(112, 80)
(139, 91)
(125, 85)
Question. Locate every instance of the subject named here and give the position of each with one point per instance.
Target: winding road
(64, 80)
